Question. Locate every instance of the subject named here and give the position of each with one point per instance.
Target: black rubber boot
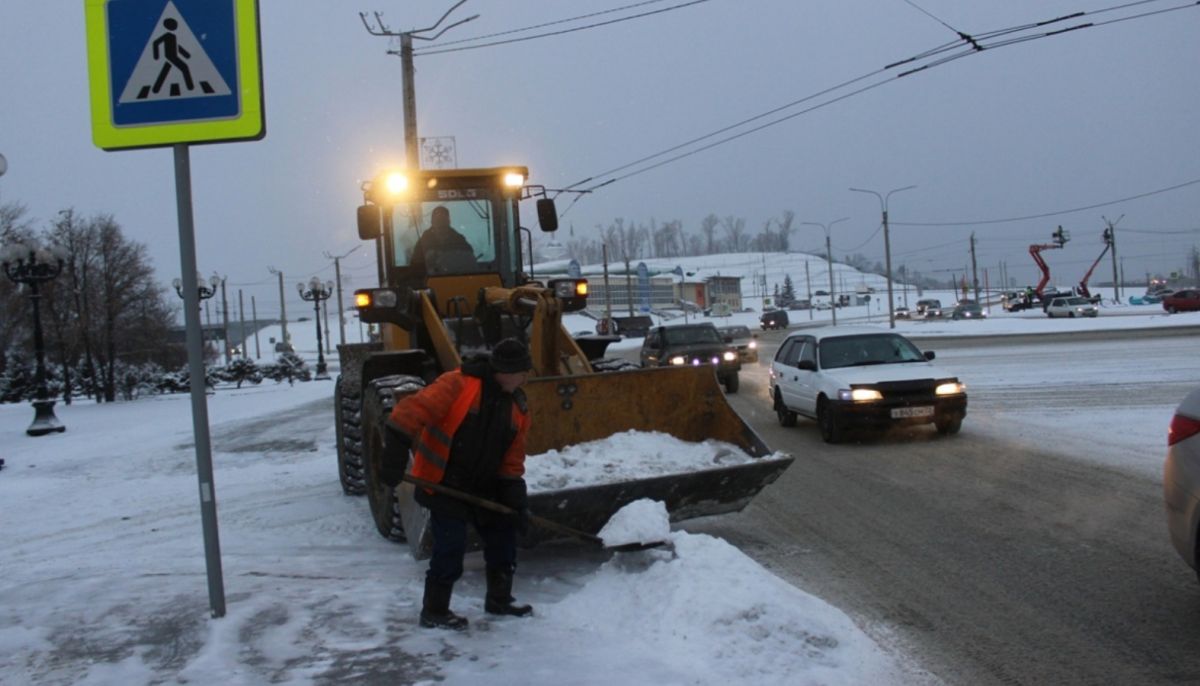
(499, 600)
(435, 608)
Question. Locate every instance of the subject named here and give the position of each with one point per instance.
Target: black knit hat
(511, 356)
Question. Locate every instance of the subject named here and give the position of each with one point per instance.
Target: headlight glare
(730, 356)
(678, 360)
(950, 388)
(859, 395)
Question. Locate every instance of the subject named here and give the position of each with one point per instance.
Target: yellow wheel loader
(455, 302)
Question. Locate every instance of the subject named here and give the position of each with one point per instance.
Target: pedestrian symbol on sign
(173, 65)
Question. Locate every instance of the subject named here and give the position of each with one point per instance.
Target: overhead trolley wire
(972, 46)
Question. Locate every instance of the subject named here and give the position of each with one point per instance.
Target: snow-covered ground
(104, 579)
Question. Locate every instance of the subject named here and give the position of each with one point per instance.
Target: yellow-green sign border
(249, 125)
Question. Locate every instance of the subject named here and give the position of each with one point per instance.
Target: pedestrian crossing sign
(164, 72)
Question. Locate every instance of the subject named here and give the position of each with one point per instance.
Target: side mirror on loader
(370, 222)
(547, 215)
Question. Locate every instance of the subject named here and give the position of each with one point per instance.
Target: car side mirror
(929, 354)
(807, 365)
(370, 222)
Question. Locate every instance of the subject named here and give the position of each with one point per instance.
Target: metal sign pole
(191, 309)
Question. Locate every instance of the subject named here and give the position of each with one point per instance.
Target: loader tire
(731, 383)
(380, 396)
(347, 417)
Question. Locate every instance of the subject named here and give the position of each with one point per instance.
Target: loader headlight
(514, 180)
(678, 360)
(859, 395)
(950, 388)
(572, 293)
(395, 183)
(729, 356)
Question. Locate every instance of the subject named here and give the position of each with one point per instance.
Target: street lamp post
(205, 291)
(315, 291)
(31, 264)
(887, 246)
(829, 263)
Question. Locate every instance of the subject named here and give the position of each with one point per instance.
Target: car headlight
(678, 359)
(730, 356)
(950, 388)
(753, 345)
(859, 395)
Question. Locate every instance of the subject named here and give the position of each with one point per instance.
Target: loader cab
(482, 206)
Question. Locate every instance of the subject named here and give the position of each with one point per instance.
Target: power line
(559, 33)
(975, 47)
(1055, 213)
(549, 23)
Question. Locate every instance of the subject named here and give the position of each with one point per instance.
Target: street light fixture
(315, 291)
(829, 263)
(887, 245)
(32, 264)
(205, 291)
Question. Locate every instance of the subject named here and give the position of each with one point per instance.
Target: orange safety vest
(436, 413)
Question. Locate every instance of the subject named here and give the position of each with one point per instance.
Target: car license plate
(902, 412)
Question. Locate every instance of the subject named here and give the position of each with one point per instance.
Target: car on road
(968, 311)
(1073, 306)
(855, 378)
(929, 308)
(902, 312)
(775, 319)
(1181, 479)
(692, 344)
(1184, 300)
(745, 341)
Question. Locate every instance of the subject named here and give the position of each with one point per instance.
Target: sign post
(173, 73)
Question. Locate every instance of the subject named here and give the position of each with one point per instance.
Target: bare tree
(14, 307)
(785, 222)
(708, 227)
(735, 233)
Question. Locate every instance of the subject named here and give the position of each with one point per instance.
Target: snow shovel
(533, 519)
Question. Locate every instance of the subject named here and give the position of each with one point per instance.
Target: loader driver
(467, 431)
(441, 248)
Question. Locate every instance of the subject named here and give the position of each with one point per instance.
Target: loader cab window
(472, 251)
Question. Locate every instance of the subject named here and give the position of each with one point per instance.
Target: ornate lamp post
(204, 290)
(315, 291)
(31, 265)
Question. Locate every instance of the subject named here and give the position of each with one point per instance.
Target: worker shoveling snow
(642, 521)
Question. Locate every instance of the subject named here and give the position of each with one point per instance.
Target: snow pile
(625, 456)
(706, 598)
(107, 585)
(642, 521)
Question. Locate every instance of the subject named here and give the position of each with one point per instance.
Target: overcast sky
(1078, 119)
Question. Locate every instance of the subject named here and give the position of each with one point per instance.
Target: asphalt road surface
(985, 561)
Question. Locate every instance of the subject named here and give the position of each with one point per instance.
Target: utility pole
(808, 282)
(254, 313)
(282, 305)
(325, 314)
(411, 144)
(974, 268)
(887, 245)
(1112, 242)
(337, 271)
(225, 321)
(828, 262)
(242, 321)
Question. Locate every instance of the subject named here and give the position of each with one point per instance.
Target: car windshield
(691, 335)
(735, 332)
(853, 351)
(1077, 301)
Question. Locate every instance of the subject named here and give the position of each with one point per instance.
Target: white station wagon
(849, 378)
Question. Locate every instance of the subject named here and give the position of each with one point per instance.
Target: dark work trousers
(450, 544)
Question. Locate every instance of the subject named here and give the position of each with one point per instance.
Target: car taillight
(1182, 427)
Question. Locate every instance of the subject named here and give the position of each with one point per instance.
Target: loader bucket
(685, 402)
